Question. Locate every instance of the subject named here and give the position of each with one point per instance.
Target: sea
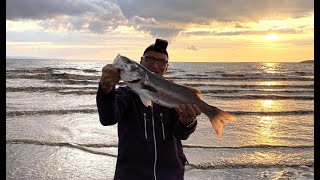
(53, 129)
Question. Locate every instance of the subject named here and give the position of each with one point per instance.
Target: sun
(271, 37)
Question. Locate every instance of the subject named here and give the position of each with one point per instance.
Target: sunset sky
(197, 30)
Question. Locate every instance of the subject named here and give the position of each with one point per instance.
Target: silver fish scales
(151, 87)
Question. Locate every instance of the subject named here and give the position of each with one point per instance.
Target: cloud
(245, 32)
(192, 47)
(136, 20)
(83, 15)
(166, 18)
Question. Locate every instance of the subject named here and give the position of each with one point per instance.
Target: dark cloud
(84, 15)
(153, 16)
(168, 12)
(202, 11)
(39, 9)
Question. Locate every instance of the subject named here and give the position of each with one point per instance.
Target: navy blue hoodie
(149, 137)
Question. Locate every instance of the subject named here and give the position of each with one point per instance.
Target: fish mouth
(135, 81)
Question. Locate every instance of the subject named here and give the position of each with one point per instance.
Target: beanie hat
(159, 46)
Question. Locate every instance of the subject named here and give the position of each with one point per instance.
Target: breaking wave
(83, 147)
(90, 111)
(211, 165)
(92, 90)
(247, 147)
(309, 86)
(276, 113)
(49, 112)
(255, 90)
(36, 142)
(197, 77)
(207, 165)
(92, 74)
(273, 97)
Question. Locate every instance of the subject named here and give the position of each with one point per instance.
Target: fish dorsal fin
(195, 91)
(168, 79)
(145, 101)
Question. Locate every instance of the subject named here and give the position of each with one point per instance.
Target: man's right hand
(109, 78)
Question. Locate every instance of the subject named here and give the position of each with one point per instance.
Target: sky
(197, 30)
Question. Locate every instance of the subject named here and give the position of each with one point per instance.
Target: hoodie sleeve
(111, 106)
(181, 131)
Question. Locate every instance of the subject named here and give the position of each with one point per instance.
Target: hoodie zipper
(145, 125)
(155, 145)
(162, 125)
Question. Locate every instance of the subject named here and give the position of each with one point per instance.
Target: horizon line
(48, 58)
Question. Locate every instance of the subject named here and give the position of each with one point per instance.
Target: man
(149, 137)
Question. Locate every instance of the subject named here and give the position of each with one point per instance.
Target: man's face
(155, 62)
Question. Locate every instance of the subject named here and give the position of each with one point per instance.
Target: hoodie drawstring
(145, 125)
(163, 134)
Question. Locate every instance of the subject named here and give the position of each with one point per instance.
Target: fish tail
(217, 118)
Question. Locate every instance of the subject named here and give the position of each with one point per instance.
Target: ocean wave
(48, 76)
(219, 165)
(36, 70)
(223, 91)
(49, 112)
(273, 97)
(49, 143)
(308, 86)
(48, 70)
(90, 70)
(204, 166)
(42, 89)
(83, 147)
(302, 73)
(73, 82)
(276, 113)
(91, 90)
(247, 147)
(70, 111)
(59, 90)
(74, 76)
(62, 73)
(78, 92)
(51, 73)
(196, 77)
(41, 76)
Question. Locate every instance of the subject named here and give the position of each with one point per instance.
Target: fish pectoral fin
(145, 101)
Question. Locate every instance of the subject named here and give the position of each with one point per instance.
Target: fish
(155, 88)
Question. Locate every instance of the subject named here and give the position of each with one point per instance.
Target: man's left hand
(188, 113)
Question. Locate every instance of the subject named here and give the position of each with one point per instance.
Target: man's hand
(109, 78)
(189, 112)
